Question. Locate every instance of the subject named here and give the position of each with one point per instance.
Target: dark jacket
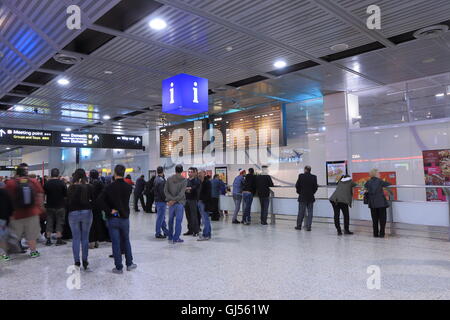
(149, 186)
(195, 185)
(375, 193)
(6, 205)
(139, 186)
(117, 196)
(344, 192)
(263, 184)
(250, 183)
(158, 189)
(80, 197)
(205, 191)
(306, 187)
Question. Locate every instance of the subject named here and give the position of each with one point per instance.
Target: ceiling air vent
(431, 32)
(66, 59)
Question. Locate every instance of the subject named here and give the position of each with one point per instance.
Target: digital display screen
(10, 136)
(26, 137)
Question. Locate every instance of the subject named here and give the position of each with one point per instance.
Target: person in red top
(27, 206)
(128, 180)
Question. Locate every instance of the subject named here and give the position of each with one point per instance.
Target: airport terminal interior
(295, 149)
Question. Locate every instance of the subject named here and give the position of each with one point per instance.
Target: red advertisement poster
(436, 164)
(360, 178)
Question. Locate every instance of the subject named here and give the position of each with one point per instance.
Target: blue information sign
(185, 95)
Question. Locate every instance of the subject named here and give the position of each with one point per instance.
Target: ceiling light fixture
(108, 72)
(106, 117)
(157, 24)
(440, 94)
(339, 47)
(19, 108)
(63, 82)
(280, 64)
(68, 129)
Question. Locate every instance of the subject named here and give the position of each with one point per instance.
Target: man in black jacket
(138, 193)
(149, 194)
(160, 203)
(6, 210)
(248, 191)
(263, 184)
(115, 200)
(306, 188)
(193, 185)
(204, 200)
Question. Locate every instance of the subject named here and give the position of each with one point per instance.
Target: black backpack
(25, 194)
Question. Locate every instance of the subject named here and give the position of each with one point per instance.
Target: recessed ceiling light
(339, 47)
(68, 129)
(8, 148)
(429, 60)
(229, 48)
(107, 72)
(157, 24)
(279, 64)
(63, 81)
(19, 108)
(440, 95)
(106, 117)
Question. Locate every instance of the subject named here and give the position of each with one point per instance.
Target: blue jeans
(237, 205)
(264, 201)
(80, 224)
(248, 199)
(205, 219)
(119, 232)
(175, 210)
(161, 218)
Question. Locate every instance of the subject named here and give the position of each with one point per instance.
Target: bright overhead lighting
(63, 81)
(106, 117)
(19, 108)
(440, 95)
(8, 148)
(280, 64)
(68, 129)
(108, 72)
(157, 24)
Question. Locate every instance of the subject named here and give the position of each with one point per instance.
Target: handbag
(366, 198)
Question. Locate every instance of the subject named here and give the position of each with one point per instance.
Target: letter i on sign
(195, 93)
(172, 100)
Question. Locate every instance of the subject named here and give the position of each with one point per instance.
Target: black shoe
(160, 236)
(381, 236)
(308, 229)
(375, 236)
(85, 265)
(60, 242)
(187, 234)
(77, 264)
(195, 234)
(339, 233)
(348, 232)
(49, 242)
(236, 221)
(111, 256)
(298, 228)
(264, 223)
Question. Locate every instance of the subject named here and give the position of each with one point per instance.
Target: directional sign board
(8, 168)
(26, 137)
(10, 136)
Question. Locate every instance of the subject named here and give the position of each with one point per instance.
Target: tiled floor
(242, 262)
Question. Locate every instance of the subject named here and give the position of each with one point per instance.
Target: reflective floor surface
(242, 262)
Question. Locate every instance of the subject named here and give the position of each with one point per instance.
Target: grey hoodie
(344, 191)
(175, 189)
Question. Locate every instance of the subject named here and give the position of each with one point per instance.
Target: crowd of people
(91, 209)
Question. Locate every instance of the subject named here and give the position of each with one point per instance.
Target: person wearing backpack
(28, 199)
(377, 202)
(80, 197)
(6, 210)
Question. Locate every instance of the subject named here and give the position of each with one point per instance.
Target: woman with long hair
(98, 232)
(80, 196)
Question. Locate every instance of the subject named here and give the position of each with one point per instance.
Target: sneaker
(132, 267)
(236, 221)
(60, 242)
(117, 271)
(35, 254)
(178, 241)
(48, 242)
(4, 257)
(201, 238)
